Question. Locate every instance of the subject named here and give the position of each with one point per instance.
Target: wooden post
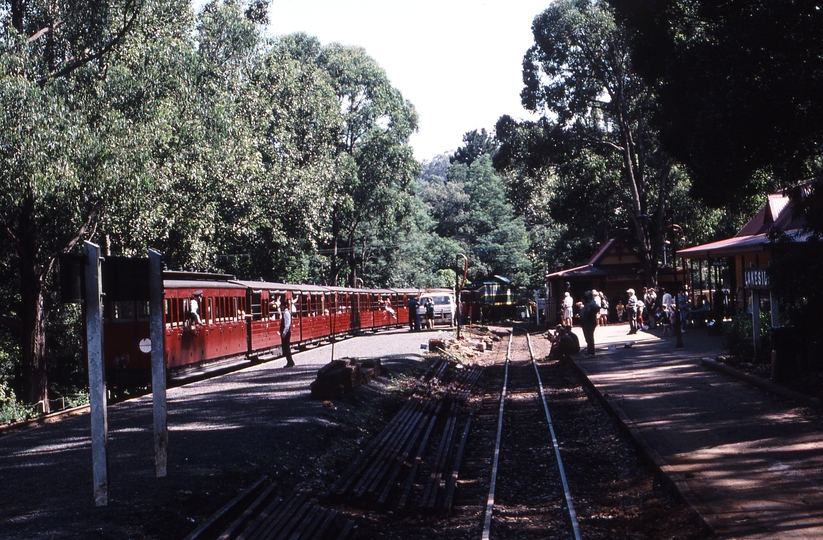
(158, 364)
(97, 381)
(756, 321)
(775, 310)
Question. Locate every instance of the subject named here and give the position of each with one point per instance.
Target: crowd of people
(653, 307)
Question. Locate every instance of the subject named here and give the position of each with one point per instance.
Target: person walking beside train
(285, 331)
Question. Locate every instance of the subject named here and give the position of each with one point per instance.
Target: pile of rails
(416, 458)
(414, 461)
(265, 516)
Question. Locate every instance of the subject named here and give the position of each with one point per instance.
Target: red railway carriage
(345, 309)
(311, 311)
(126, 343)
(221, 332)
(237, 319)
(310, 319)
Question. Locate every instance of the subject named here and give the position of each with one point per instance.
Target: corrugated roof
(737, 245)
(754, 236)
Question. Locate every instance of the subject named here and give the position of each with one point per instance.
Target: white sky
(459, 62)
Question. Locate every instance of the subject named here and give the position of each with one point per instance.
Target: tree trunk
(34, 310)
(335, 233)
(35, 375)
(352, 262)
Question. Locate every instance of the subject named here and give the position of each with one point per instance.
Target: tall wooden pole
(158, 364)
(97, 380)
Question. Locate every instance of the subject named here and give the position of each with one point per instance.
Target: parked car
(445, 307)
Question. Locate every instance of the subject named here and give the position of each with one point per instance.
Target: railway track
(526, 493)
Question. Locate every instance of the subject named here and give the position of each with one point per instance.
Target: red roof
(754, 236)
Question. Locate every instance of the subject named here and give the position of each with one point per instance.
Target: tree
(475, 145)
(739, 88)
(375, 162)
(580, 70)
(54, 148)
(470, 208)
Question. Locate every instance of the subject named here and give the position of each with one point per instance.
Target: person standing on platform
(429, 305)
(631, 311)
(668, 301)
(588, 320)
(285, 331)
(683, 308)
(568, 309)
(650, 301)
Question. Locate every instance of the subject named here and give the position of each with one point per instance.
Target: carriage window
(256, 305)
(143, 311)
(123, 311)
(210, 311)
(176, 308)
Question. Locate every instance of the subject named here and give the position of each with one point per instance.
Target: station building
(613, 269)
(747, 257)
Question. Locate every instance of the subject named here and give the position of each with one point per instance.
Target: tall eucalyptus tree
(55, 149)
(375, 161)
(580, 70)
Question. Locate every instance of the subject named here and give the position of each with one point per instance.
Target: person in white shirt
(568, 310)
(285, 332)
(631, 311)
(193, 314)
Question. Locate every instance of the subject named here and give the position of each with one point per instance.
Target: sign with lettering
(755, 278)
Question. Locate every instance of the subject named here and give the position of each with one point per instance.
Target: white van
(445, 309)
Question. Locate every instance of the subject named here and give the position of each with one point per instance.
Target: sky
(459, 62)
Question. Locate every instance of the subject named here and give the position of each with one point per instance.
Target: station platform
(748, 459)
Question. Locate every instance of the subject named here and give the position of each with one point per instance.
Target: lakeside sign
(755, 278)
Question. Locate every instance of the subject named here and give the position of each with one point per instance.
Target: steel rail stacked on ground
(374, 475)
(260, 514)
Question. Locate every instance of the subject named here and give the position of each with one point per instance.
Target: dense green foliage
(137, 125)
(594, 161)
(739, 87)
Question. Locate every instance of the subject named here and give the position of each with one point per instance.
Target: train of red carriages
(241, 320)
